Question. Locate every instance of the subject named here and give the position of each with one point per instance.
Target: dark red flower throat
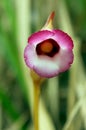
(48, 47)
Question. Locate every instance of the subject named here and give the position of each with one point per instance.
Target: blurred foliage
(78, 16)
(11, 77)
(77, 10)
(13, 99)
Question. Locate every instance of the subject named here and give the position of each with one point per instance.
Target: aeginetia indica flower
(49, 51)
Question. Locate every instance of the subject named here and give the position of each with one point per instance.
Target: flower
(49, 51)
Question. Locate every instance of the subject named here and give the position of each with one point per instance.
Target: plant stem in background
(53, 101)
(76, 72)
(67, 26)
(23, 17)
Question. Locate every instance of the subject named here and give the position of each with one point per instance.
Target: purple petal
(63, 39)
(40, 36)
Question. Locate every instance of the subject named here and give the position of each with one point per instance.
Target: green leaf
(8, 105)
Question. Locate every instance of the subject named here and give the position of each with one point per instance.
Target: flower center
(48, 47)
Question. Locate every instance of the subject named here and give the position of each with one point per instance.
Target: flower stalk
(37, 80)
(36, 105)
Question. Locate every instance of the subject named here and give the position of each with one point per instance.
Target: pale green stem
(53, 101)
(72, 116)
(23, 30)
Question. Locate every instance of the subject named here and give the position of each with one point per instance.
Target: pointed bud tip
(50, 18)
(52, 15)
(48, 24)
